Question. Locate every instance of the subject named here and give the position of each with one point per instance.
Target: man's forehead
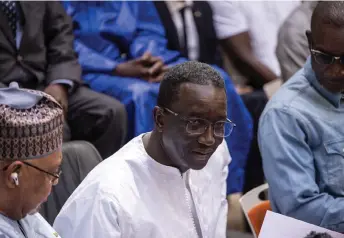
(202, 99)
(197, 91)
(329, 39)
(52, 160)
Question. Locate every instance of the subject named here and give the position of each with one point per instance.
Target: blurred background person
(292, 47)
(36, 50)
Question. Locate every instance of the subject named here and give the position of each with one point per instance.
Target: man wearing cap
(31, 125)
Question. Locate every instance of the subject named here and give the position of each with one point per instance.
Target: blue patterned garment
(110, 32)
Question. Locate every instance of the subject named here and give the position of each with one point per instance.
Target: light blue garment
(34, 226)
(301, 138)
(17, 98)
(111, 32)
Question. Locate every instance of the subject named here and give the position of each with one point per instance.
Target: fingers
(156, 68)
(165, 68)
(144, 72)
(148, 60)
(243, 89)
(155, 59)
(145, 58)
(150, 67)
(64, 104)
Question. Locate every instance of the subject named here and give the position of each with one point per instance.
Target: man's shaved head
(328, 13)
(327, 37)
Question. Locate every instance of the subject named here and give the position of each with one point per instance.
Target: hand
(235, 217)
(243, 89)
(159, 77)
(60, 93)
(132, 68)
(157, 66)
(271, 87)
(146, 67)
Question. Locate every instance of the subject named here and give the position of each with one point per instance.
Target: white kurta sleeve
(93, 217)
(229, 18)
(3, 235)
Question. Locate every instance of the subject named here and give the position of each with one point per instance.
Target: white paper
(278, 226)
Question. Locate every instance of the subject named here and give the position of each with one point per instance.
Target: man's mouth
(204, 153)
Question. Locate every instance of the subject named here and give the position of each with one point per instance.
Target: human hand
(156, 65)
(132, 68)
(147, 67)
(60, 93)
(158, 78)
(243, 89)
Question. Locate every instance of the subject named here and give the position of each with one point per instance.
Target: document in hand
(279, 226)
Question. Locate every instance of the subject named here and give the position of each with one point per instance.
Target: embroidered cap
(31, 124)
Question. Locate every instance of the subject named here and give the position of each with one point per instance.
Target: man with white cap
(31, 125)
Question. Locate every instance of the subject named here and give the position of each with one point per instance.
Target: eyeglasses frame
(209, 122)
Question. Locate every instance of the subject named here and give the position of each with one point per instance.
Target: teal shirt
(301, 138)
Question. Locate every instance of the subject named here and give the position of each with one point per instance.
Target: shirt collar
(176, 6)
(333, 98)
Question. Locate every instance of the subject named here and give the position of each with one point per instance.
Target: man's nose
(336, 70)
(207, 138)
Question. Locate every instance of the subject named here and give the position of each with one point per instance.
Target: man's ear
(12, 168)
(309, 39)
(158, 114)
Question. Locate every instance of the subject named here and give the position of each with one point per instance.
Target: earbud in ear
(14, 177)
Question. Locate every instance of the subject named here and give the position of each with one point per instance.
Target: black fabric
(170, 28)
(9, 8)
(79, 158)
(46, 50)
(203, 17)
(184, 48)
(46, 54)
(96, 118)
(254, 174)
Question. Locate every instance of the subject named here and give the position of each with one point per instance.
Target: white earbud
(14, 177)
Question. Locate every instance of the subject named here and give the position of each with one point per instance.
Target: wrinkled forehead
(205, 101)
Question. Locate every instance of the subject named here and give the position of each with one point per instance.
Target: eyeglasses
(323, 58)
(55, 176)
(197, 126)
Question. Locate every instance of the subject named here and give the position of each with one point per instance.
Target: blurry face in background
(195, 101)
(328, 39)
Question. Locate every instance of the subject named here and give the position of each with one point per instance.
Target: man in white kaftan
(170, 182)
